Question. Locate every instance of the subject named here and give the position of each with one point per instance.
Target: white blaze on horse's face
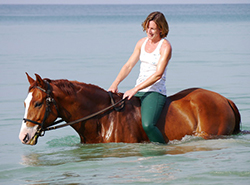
(27, 133)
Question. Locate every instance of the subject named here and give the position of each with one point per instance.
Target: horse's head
(40, 110)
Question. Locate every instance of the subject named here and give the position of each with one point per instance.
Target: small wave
(231, 173)
(185, 139)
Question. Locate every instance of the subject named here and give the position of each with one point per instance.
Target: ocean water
(90, 43)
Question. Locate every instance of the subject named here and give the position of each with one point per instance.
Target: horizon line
(232, 3)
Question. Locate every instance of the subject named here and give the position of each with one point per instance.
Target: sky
(123, 1)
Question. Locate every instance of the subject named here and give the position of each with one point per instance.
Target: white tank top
(149, 62)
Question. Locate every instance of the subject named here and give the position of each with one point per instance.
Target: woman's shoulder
(166, 45)
(140, 42)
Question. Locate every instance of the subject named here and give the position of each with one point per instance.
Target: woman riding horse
(90, 111)
(154, 51)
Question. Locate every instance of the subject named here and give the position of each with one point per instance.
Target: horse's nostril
(26, 138)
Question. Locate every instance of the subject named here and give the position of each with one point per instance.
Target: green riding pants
(151, 107)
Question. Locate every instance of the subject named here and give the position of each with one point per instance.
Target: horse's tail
(237, 117)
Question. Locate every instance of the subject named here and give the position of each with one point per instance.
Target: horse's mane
(71, 87)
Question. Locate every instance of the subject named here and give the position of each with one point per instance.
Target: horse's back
(198, 112)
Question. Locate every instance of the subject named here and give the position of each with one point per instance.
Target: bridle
(50, 99)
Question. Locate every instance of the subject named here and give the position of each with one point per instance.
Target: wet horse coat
(193, 111)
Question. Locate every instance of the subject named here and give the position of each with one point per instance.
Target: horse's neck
(83, 100)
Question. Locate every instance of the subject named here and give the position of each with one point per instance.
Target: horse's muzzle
(26, 138)
(32, 141)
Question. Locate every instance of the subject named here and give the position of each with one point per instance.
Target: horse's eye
(38, 104)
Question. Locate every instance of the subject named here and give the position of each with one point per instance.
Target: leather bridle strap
(87, 117)
(117, 108)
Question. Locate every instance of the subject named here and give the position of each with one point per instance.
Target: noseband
(41, 131)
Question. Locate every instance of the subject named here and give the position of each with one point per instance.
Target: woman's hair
(160, 21)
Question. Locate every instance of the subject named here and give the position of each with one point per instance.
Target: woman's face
(153, 31)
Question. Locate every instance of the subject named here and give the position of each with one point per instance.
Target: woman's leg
(152, 104)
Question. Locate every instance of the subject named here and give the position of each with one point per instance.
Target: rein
(89, 116)
(49, 100)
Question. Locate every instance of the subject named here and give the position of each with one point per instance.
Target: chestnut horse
(195, 111)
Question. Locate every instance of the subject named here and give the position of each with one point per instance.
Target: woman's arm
(127, 67)
(165, 52)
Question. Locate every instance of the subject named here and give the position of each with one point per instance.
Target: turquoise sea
(90, 43)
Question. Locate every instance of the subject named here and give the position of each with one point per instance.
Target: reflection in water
(66, 150)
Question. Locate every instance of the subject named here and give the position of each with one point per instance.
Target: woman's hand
(113, 89)
(130, 93)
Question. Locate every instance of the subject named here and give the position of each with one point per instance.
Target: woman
(154, 52)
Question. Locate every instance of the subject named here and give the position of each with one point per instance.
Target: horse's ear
(39, 81)
(31, 80)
